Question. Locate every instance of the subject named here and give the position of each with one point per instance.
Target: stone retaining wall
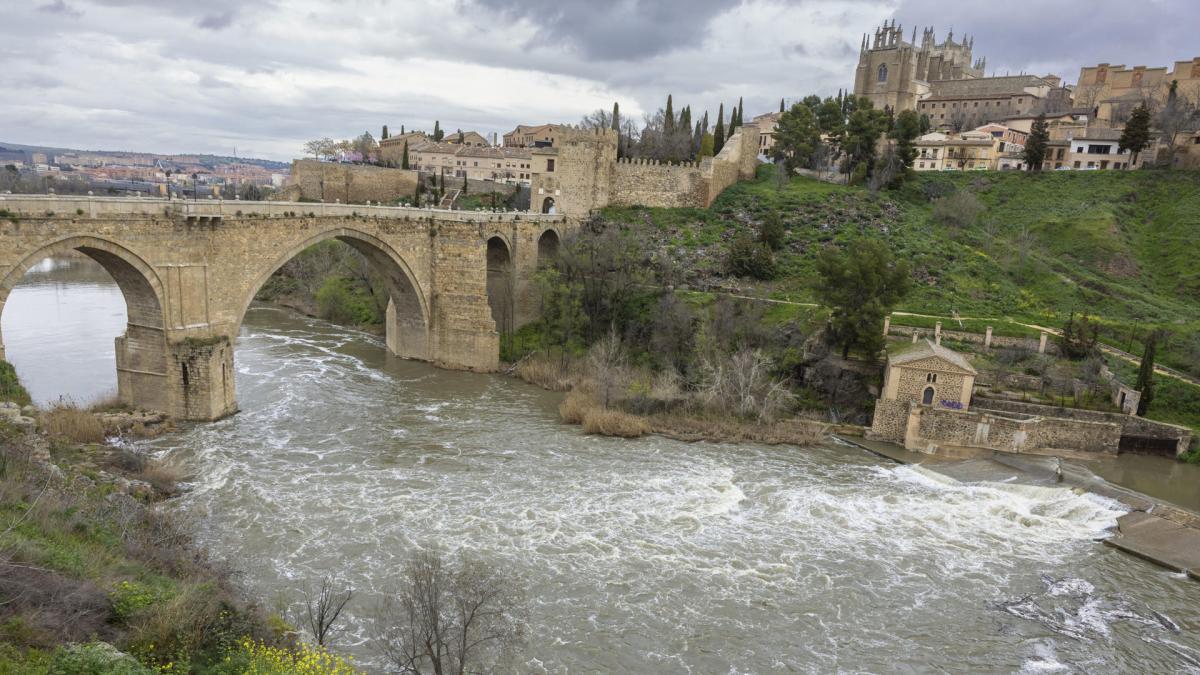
(1131, 425)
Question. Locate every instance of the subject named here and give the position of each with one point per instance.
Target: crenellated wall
(588, 176)
(645, 182)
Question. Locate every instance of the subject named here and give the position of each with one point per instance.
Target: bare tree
(1178, 117)
(597, 119)
(607, 363)
(450, 619)
(323, 607)
(741, 384)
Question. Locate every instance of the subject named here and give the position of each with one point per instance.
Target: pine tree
(1035, 145)
(1136, 135)
(437, 130)
(1145, 378)
(669, 118)
(404, 160)
(719, 131)
(384, 135)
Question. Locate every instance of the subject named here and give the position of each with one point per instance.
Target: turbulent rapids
(653, 555)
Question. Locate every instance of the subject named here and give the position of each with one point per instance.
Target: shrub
(748, 258)
(340, 300)
(958, 210)
(96, 658)
(934, 190)
(254, 657)
(68, 424)
(10, 386)
(574, 406)
(128, 598)
(609, 422)
(771, 232)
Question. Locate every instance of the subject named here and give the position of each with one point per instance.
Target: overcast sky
(263, 76)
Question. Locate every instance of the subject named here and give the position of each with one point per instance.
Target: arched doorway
(547, 247)
(141, 351)
(927, 396)
(500, 282)
(548, 205)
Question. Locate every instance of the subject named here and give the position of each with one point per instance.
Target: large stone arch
(142, 352)
(408, 315)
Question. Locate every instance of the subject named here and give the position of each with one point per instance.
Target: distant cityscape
(26, 168)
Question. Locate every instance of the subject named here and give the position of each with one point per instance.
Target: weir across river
(189, 270)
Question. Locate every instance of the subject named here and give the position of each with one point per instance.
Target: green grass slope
(1114, 244)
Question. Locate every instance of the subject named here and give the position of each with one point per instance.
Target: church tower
(896, 73)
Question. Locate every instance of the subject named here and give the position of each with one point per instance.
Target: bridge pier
(201, 379)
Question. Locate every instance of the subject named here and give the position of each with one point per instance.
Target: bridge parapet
(107, 207)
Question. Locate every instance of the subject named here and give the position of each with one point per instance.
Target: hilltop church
(943, 80)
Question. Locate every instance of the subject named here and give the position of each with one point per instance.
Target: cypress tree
(719, 132)
(1145, 378)
(616, 120)
(401, 129)
(1136, 134)
(741, 112)
(781, 109)
(384, 135)
(685, 119)
(669, 118)
(1035, 146)
(437, 130)
(404, 161)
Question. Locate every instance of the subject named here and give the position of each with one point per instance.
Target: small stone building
(928, 374)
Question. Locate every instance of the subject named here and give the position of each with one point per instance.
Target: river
(650, 555)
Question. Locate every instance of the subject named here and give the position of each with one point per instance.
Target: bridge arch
(408, 319)
(548, 243)
(501, 282)
(142, 352)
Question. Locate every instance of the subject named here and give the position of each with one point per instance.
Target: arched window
(927, 397)
(883, 72)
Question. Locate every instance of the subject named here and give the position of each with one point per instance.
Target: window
(883, 73)
(1095, 149)
(549, 165)
(1076, 164)
(931, 377)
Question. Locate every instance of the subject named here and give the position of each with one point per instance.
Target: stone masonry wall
(736, 161)
(1131, 425)
(643, 182)
(349, 183)
(588, 176)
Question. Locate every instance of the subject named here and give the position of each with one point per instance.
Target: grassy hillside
(1117, 245)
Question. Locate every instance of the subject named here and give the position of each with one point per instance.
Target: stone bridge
(189, 271)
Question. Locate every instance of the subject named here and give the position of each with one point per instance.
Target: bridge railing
(96, 207)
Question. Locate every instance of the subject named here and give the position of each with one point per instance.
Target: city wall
(588, 176)
(348, 183)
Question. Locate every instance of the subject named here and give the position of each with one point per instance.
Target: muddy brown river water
(646, 556)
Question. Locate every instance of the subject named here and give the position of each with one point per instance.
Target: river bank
(97, 574)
